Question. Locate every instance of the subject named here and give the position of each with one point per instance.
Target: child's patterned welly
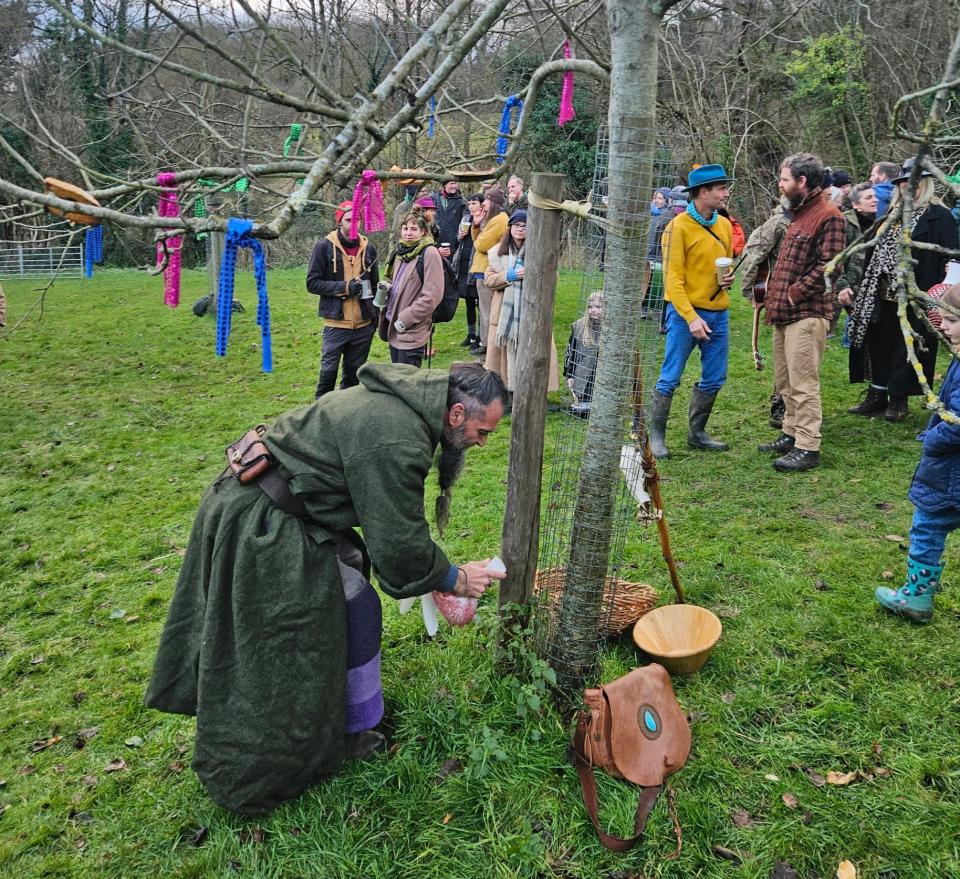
(913, 600)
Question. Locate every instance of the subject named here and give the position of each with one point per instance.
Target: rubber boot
(657, 424)
(913, 600)
(701, 405)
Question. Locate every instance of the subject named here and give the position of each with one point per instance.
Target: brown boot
(898, 409)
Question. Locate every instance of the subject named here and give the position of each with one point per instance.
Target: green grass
(115, 413)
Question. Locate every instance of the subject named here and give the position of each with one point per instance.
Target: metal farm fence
(33, 261)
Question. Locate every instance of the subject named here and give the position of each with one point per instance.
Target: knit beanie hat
(518, 217)
(342, 208)
(495, 196)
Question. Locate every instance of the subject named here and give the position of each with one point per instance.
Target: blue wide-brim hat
(707, 175)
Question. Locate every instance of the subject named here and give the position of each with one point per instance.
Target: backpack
(447, 307)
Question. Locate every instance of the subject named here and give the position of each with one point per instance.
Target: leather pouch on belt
(248, 457)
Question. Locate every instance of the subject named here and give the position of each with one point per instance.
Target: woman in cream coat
(504, 277)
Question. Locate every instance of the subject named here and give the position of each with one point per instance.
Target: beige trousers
(797, 352)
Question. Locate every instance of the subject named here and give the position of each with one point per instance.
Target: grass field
(115, 413)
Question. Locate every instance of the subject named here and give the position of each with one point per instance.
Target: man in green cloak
(255, 643)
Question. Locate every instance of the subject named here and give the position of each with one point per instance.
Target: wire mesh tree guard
(572, 645)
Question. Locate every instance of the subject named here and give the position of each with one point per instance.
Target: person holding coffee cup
(698, 273)
(343, 273)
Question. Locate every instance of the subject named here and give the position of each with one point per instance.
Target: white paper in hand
(495, 566)
(429, 614)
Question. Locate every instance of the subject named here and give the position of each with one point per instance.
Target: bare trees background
(106, 93)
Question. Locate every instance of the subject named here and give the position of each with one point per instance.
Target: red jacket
(796, 289)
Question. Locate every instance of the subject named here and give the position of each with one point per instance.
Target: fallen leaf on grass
(877, 750)
(134, 742)
(727, 611)
(820, 585)
(115, 765)
(881, 772)
(842, 778)
(29, 769)
(783, 870)
(727, 698)
(741, 818)
(790, 801)
(90, 780)
(887, 575)
(176, 767)
(36, 660)
(729, 854)
(846, 870)
(894, 538)
(256, 834)
(132, 619)
(450, 767)
(816, 779)
(885, 506)
(3, 782)
(447, 818)
(771, 777)
(118, 613)
(43, 744)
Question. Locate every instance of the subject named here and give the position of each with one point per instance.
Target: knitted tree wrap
(512, 103)
(566, 93)
(238, 235)
(168, 207)
(368, 197)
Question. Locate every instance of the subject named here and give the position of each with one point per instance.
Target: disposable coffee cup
(723, 264)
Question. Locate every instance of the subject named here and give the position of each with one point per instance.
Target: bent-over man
(258, 635)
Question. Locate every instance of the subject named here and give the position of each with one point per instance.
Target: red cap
(341, 210)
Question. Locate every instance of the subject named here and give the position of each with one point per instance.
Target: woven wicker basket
(623, 604)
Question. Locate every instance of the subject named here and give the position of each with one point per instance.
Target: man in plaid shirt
(800, 309)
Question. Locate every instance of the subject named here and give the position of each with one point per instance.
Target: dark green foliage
(570, 150)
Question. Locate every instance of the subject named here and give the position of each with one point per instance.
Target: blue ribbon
(238, 235)
(506, 121)
(92, 249)
(432, 127)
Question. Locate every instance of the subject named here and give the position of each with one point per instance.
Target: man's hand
(354, 288)
(727, 282)
(846, 297)
(444, 251)
(474, 579)
(699, 329)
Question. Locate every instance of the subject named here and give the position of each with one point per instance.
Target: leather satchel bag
(248, 458)
(633, 729)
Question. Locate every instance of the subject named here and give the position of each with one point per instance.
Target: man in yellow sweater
(696, 313)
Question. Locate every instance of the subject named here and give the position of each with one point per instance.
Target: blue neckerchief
(238, 235)
(696, 215)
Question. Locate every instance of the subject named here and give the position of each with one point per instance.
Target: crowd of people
(783, 270)
(440, 240)
(273, 635)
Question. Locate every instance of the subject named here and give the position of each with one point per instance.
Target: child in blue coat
(935, 492)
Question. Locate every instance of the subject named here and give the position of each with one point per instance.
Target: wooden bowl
(68, 191)
(679, 636)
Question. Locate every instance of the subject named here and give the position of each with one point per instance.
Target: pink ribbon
(168, 207)
(368, 197)
(566, 93)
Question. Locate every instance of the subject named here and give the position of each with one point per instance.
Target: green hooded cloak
(255, 640)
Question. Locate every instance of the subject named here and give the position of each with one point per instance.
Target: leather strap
(275, 487)
(588, 787)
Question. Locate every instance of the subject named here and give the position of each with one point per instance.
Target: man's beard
(449, 466)
(787, 203)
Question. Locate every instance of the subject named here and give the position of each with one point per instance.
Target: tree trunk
(631, 123)
(521, 522)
